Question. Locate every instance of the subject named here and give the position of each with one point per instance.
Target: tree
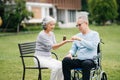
(118, 18)
(84, 5)
(102, 10)
(1, 12)
(14, 14)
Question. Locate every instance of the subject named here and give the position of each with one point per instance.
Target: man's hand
(69, 55)
(75, 38)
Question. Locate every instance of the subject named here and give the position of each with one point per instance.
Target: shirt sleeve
(54, 39)
(92, 43)
(44, 43)
(73, 49)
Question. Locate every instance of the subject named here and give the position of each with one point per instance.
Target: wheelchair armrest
(96, 57)
(96, 60)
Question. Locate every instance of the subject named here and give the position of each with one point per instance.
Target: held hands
(66, 41)
(72, 39)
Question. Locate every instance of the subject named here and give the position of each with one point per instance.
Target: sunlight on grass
(11, 66)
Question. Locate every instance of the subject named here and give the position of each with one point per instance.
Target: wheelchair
(96, 73)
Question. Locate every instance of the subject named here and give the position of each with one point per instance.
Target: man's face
(81, 25)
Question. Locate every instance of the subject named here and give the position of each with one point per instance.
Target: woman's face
(50, 26)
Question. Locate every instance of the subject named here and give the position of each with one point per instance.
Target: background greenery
(11, 66)
(13, 14)
(101, 12)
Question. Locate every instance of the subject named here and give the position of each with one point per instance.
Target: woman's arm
(56, 46)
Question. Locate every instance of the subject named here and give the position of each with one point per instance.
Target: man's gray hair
(84, 15)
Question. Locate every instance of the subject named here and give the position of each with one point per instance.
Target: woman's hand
(55, 46)
(66, 41)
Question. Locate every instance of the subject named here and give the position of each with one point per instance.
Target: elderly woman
(44, 44)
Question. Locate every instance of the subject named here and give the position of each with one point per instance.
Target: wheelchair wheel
(76, 76)
(104, 76)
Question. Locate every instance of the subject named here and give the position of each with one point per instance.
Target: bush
(102, 10)
(13, 16)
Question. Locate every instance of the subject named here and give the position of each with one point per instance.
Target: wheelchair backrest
(98, 55)
(98, 48)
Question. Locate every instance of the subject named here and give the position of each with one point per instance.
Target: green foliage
(84, 5)
(103, 10)
(21, 7)
(1, 8)
(14, 14)
(118, 18)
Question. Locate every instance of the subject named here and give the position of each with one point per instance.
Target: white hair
(84, 15)
(46, 20)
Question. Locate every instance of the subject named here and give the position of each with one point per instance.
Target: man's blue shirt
(87, 47)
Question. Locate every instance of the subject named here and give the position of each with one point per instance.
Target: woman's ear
(44, 27)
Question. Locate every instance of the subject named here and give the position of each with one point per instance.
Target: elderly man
(84, 46)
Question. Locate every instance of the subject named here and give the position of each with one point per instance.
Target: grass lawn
(11, 66)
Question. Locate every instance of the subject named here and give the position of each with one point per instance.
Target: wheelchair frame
(96, 73)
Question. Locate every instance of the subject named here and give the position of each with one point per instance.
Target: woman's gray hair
(46, 20)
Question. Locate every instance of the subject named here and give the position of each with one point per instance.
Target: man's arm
(91, 44)
(72, 51)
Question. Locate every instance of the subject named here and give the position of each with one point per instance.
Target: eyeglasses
(79, 24)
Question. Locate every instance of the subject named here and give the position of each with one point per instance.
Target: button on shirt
(87, 47)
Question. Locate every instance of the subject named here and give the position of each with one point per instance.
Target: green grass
(11, 66)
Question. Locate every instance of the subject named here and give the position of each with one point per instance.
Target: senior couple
(84, 44)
